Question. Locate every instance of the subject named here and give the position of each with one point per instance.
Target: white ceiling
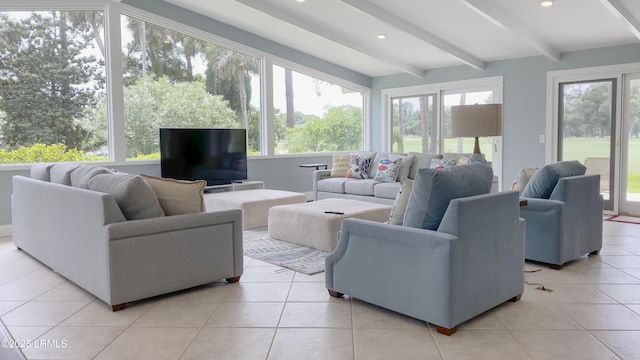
(428, 34)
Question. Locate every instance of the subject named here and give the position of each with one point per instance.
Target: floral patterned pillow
(359, 166)
(441, 164)
(388, 170)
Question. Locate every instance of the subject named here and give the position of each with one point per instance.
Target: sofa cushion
(61, 173)
(359, 166)
(543, 182)
(340, 165)
(80, 176)
(41, 171)
(400, 205)
(360, 187)
(386, 190)
(421, 161)
(333, 185)
(387, 169)
(132, 193)
(178, 196)
(433, 190)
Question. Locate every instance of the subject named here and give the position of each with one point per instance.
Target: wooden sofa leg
(118, 307)
(594, 252)
(445, 331)
(516, 298)
(556, 266)
(335, 294)
(234, 279)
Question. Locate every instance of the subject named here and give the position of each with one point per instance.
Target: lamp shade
(476, 120)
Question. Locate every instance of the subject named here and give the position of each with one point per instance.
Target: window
(312, 115)
(52, 86)
(176, 80)
(414, 124)
(167, 74)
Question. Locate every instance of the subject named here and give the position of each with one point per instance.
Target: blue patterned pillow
(359, 166)
(388, 170)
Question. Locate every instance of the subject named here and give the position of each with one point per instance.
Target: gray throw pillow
(433, 189)
(542, 183)
(61, 173)
(40, 171)
(132, 193)
(81, 175)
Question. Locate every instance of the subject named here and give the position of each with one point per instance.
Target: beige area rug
(258, 245)
(623, 219)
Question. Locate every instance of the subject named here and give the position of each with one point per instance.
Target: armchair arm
(545, 223)
(391, 266)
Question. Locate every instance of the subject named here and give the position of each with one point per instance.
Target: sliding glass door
(587, 128)
(630, 169)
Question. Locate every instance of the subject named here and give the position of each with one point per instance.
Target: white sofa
(325, 186)
(84, 236)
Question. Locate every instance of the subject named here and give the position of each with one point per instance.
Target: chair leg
(516, 298)
(118, 307)
(445, 331)
(335, 294)
(234, 279)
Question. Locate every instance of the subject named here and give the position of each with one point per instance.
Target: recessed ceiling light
(381, 36)
(547, 3)
(300, 0)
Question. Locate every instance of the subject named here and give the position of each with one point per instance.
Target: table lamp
(475, 121)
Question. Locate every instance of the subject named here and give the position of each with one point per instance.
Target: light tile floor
(593, 312)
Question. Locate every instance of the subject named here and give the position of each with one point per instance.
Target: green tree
(152, 104)
(339, 129)
(45, 80)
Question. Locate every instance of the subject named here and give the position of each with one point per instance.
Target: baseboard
(5, 231)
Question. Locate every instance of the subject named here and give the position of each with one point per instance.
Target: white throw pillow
(387, 170)
(523, 177)
(400, 205)
(340, 165)
(178, 196)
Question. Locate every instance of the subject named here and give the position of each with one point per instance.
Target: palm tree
(233, 66)
(93, 19)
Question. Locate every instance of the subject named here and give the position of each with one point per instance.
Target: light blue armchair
(568, 224)
(472, 263)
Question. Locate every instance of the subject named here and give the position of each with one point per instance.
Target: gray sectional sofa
(84, 236)
(325, 186)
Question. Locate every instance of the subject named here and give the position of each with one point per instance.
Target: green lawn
(574, 149)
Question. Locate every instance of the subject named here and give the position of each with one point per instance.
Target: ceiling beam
(621, 12)
(508, 22)
(330, 35)
(385, 16)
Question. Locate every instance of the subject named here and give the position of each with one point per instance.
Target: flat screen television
(218, 156)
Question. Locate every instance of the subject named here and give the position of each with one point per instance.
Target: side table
(317, 166)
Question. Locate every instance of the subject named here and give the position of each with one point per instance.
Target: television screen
(218, 156)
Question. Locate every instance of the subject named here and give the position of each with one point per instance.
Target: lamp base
(477, 158)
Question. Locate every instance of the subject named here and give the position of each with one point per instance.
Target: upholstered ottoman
(255, 204)
(307, 223)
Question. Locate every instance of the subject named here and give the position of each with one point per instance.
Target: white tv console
(236, 186)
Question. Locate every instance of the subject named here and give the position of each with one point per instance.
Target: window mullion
(115, 88)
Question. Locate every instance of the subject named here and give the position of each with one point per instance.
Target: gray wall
(524, 98)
